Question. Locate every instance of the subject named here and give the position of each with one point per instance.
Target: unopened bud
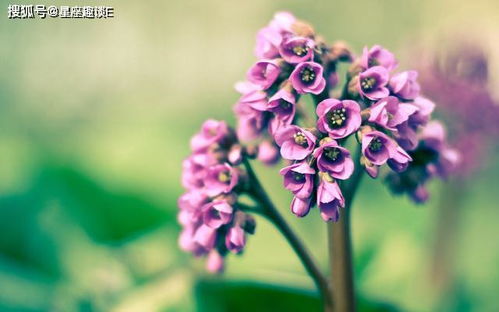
(303, 29)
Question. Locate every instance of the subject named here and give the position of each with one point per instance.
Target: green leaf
(220, 296)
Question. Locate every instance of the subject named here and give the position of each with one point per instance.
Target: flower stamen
(307, 75)
(337, 118)
(368, 83)
(300, 139)
(375, 145)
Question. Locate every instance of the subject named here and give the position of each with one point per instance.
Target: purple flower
(215, 262)
(235, 156)
(389, 113)
(245, 87)
(307, 77)
(264, 73)
(190, 205)
(372, 83)
(217, 213)
(433, 136)
(295, 143)
(187, 243)
(404, 84)
(212, 132)
(399, 160)
(256, 100)
(235, 239)
(422, 115)
(338, 118)
(282, 105)
(378, 148)
(300, 207)
(283, 21)
(269, 38)
(250, 114)
(299, 179)
(377, 55)
(205, 236)
(329, 200)
(334, 159)
(221, 178)
(193, 171)
(268, 153)
(295, 50)
(406, 133)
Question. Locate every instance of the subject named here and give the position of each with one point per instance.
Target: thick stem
(447, 229)
(340, 249)
(270, 211)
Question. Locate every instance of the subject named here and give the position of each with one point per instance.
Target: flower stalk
(340, 249)
(268, 210)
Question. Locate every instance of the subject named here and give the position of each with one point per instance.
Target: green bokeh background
(95, 117)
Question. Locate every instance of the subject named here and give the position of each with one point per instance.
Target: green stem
(340, 247)
(269, 210)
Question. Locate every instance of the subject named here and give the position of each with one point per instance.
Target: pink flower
(378, 148)
(283, 105)
(250, 112)
(235, 239)
(299, 179)
(404, 84)
(221, 178)
(300, 207)
(215, 263)
(329, 200)
(212, 132)
(377, 55)
(307, 77)
(264, 73)
(217, 213)
(295, 143)
(295, 50)
(269, 38)
(389, 112)
(268, 153)
(399, 160)
(334, 159)
(205, 236)
(187, 243)
(338, 118)
(372, 83)
(193, 171)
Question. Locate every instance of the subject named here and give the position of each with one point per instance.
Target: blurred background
(95, 118)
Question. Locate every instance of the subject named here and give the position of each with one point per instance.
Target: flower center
(375, 145)
(224, 176)
(368, 83)
(372, 62)
(337, 118)
(307, 75)
(215, 214)
(300, 50)
(300, 139)
(284, 104)
(298, 177)
(332, 153)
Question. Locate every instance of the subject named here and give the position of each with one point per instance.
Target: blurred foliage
(95, 118)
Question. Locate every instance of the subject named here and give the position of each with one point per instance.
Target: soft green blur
(95, 118)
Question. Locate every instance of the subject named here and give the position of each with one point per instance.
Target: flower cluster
(212, 223)
(381, 108)
(458, 79)
(376, 118)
